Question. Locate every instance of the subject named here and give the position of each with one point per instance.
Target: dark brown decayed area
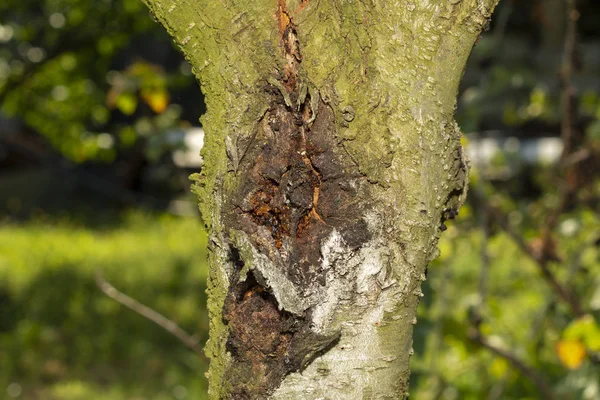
(296, 190)
(266, 343)
(296, 185)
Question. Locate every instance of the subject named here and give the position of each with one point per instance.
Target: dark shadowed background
(99, 131)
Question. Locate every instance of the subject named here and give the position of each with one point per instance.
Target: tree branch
(542, 258)
(159, 319)
(568, 66)
(527, 371)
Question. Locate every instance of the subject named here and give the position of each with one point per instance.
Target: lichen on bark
(332, 160)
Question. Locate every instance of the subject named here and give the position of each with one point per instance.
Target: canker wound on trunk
(296, 187)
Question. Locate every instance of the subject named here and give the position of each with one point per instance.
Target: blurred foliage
(483, 281)
(512, 78)
(520, 312)
(93, 77)
(63, 339)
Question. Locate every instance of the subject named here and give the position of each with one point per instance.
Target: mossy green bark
(389, 72)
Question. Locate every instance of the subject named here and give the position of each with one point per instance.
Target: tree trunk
(332, 160)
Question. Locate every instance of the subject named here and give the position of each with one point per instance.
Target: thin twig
(504, 14)
(438, 331)
(541, 258)
(483, 222)
(516, 362)
(484, 219)
(569, 136)
(568, 130)
(568, 106)
(146, 312)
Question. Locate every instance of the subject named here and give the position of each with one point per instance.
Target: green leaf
(126, 103)
(585, 329)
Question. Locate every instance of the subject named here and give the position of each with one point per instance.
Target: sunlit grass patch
(59, 334)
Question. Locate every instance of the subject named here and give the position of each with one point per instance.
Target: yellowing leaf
(571, 353)
(157, 99)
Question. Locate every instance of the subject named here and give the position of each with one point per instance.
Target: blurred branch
(529, 372)
(502, 19)
(567, 123)
(568, 118)
(576, 264)
(477, 318)
(490, 212)
(568, 135)
(484, 224)
(146, 312)
(485, 258)
(568, 106)
(541, 258)
(439, 382)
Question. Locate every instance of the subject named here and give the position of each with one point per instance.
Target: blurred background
(99, 131)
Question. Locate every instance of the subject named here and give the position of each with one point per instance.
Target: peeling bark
(332, 162)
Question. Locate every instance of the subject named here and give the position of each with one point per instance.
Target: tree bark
(332, 160)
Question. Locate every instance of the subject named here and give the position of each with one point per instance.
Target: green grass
(61, 338)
